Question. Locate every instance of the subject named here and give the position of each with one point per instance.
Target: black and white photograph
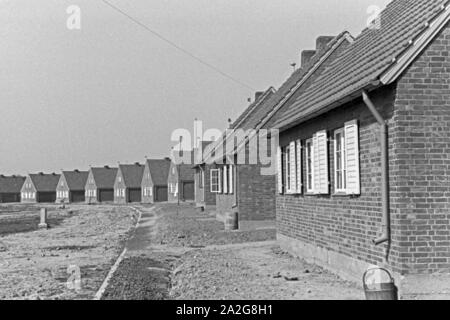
(224, 156)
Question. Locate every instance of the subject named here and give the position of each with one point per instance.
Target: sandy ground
(34, 264)
(179, 253)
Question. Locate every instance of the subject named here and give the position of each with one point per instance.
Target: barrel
(231, 221)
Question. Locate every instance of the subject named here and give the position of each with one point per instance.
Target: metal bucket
(231, 221)
(382, 290)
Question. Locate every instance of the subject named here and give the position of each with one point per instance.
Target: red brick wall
(344, 225)
(421, 166)
(256, 194)
(418, 113)
(255, 197)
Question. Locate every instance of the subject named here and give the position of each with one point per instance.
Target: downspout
(386, 221)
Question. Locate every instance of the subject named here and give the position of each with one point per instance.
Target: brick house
(181, 181)
(39, 188)
(154, 180)
(100, 185)
(71, 186)
(364, 160)
(10, 188)
(241, 186)
(254, 198)
(127, 185)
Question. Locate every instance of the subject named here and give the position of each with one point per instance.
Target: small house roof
(76, 180)
(104, 177)
(159, 170)
(12, 184)
(132, 174)
(45, 182)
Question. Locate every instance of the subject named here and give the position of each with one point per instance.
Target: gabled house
(100, 185)
(10, 188)
(71, 186)
(154, 180)
(180, 181)
(363, 164)
(127, 185)
(39, 188)
(252, 189)
(240, 186)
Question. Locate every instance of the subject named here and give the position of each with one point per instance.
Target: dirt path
(179, 253)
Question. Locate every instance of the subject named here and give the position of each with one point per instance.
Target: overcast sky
(113, 92)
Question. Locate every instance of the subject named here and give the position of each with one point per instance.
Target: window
(231, 179)
(225, 179)
(340, 166)
(346, 159)
(309, 166)
(215, 180)
(287, 170)
(120, 179)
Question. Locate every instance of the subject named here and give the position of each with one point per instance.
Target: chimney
(258, 95)
(322, 42)
(306, 56)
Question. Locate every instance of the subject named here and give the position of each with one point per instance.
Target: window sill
(344, 195)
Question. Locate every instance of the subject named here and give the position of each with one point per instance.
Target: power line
(178, 47)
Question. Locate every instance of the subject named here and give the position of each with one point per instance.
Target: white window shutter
(231, 179)
(352, 157)
(279, 171)
(225, 184)
(219, 178)
(320, 163)
(293, 171)
(299, 166)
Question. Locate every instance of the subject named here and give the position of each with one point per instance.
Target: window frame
(217, 183)
(309, 165)
(343, 161)
(287, 170)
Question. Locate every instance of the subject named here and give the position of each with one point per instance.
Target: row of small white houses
(158, 180)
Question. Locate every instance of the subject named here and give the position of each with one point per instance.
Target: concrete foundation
(411, 287)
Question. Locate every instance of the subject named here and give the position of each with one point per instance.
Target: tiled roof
(11, 184)
(371, 54)
(132, 174)
(239, 123)
(76, 180)
(104, 177)
(299, 80)
(45, 182)
(244, 121)
(159, 170)
(186, 172)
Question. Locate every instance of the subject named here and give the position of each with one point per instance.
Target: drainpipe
(386, 222)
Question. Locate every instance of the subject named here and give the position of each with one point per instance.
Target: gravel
(185, 227)
(34, 265)
(258, 273)
(139, 278)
